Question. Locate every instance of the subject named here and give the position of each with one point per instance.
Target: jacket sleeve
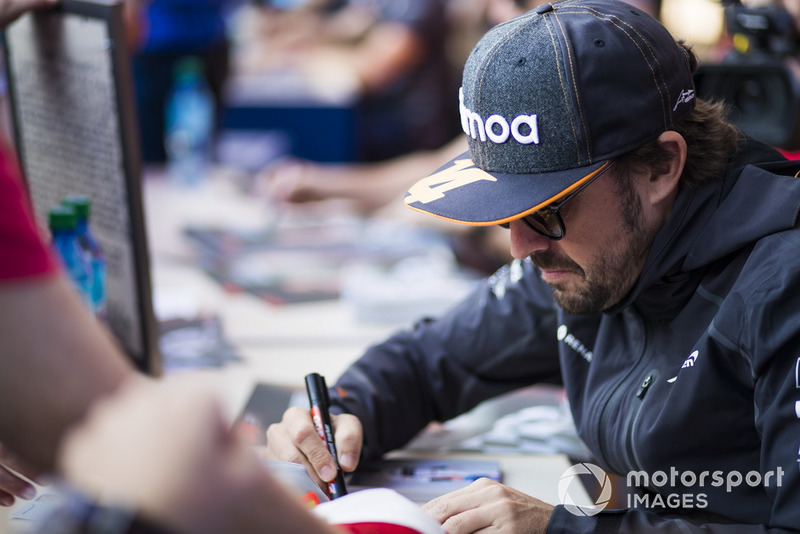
(500, 338)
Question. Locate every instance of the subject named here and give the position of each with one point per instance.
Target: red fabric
(22, 252)
(793, 155)
(376, 528)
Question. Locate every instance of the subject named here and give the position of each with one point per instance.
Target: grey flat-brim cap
(547, 99)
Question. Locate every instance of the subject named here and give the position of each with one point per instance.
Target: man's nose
(524, 241)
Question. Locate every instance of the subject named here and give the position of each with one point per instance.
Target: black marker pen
(319, 400)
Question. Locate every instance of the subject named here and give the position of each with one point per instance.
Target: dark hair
(711, 140)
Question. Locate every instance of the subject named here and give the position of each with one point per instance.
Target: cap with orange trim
(547, 99)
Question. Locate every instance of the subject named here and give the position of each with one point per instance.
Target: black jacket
(696, 371)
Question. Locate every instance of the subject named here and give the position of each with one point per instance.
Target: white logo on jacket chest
(689, 362)
(562, 334)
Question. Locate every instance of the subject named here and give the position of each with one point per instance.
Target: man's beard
(611, 275)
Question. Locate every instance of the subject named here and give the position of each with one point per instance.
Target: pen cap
(317, 390)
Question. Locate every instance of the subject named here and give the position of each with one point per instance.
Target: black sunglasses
(547, 221)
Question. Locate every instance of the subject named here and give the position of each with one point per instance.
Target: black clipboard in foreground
(76, 132)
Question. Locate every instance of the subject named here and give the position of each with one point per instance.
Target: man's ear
(664, 178)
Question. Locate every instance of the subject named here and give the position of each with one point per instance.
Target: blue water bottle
(91, 250)
(189, 124)
(63, 229)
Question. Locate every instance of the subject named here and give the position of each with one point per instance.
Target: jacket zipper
(632, 423)
(648, 380)
(617, 397)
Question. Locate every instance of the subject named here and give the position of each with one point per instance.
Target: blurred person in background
(162, 33)
(393, 53)
(372, 186)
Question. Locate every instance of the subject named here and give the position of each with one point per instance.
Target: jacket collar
(758, 196)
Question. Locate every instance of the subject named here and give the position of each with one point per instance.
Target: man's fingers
(9, 459)
(281, 447)
(295, 439)
(349, 436)
(465, 510)
(6, 499)
(488, 506)
(454, 503)
(11, 485)
(313, 447)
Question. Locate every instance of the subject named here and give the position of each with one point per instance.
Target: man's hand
(295, 439)
(10, 10)
(297, 181)
(11, 484)
(488, 506)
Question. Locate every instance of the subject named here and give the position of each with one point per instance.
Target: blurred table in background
(258, 276)
(315, 121)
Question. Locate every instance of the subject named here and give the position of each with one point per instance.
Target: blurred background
(337, 81)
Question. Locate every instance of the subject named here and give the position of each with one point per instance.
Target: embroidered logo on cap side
(684, 98)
